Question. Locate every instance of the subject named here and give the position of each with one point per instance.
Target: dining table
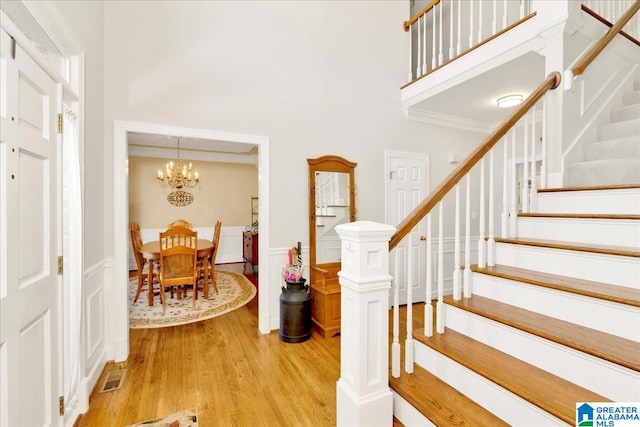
(151, 252)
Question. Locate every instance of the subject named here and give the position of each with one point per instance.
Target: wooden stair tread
(579, 216)
(589, 188)
(547, 391)
(621, 351)
(582, 247)
(442, 404)
(604, 291)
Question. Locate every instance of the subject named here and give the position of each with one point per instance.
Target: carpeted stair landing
(615, 157)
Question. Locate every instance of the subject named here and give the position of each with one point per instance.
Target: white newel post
(363, 394)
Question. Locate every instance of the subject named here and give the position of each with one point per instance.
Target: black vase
(295, 312)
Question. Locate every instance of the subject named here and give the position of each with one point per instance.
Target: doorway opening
(122, 130)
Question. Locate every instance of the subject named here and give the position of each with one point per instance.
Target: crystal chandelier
(178, 175)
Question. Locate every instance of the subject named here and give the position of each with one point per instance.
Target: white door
(407, 187)
(28, 227)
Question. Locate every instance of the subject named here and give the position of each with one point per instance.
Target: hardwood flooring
(225, 368)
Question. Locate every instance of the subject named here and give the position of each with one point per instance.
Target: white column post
(363, 395)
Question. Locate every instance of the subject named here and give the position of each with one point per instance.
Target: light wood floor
(226, 369)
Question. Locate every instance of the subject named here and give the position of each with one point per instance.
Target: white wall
(314, 77)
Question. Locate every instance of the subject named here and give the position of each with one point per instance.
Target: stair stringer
(501, 402)
(605, 316)
(611, 269)
(600, 376)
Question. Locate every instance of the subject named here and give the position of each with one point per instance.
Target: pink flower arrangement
(292, 273)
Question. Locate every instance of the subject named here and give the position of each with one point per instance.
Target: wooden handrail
(552, 81)
(604, 41)
(414, 18)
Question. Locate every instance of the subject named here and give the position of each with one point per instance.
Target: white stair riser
(612, 269)
(625, 201)
(504, 404)
(581, 230)
(407, 413)
(605, 316)
(612, 381)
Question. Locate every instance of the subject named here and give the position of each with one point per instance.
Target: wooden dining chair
(178, 260)
(212, 258)
(141, 263)
(181, 223)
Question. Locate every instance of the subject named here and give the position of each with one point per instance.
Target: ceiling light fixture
(509, 101)
(178, 175)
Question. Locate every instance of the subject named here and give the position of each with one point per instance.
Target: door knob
(423, 238)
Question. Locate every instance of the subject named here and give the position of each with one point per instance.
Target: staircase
(556, 321)
(615, 157)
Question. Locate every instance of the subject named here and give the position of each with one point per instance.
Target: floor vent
(113, 381)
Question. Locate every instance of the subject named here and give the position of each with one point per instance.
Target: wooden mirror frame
(323, 277)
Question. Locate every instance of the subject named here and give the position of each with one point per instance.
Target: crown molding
(448, 121)
(205, 156)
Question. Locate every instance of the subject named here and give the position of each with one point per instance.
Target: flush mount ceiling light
(509, 101)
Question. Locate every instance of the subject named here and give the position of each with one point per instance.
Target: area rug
(235, 290)
(181, 419)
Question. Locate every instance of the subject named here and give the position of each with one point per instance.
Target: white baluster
(513, 216)
(440, 54)
(494, 27)
(491, 243)
(410, 55)
(440, 304)
(424, 44)
(522, 9)
(525, 175)
(419, 53)
(470, 24)
(504, 232)
(428, 308)
(481, 243)
(451, 42)
(543, 165)
(467, 241)
(533, 192)
(434, 64)
(459, 47)
(456, 251)
(480, 23)
(408, 342)
(395, 346)
(504, 15)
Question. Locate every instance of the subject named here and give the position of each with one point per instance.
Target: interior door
(408, 184)
(29, 287)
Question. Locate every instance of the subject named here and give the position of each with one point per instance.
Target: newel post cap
(365, 231)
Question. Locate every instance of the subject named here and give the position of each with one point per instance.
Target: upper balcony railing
(447, 29)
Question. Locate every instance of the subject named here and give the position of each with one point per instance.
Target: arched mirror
(331, 203)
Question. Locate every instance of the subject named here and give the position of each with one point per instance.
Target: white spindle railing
(440, 303)
(491, 243)
(613, 10)
(502, 190)
(466, 30)
(428, 308)
(408, 342)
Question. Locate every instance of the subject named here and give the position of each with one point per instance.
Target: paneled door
(29, 368)
(408, 184)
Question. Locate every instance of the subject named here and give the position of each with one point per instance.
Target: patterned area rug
(235, 291)
(181, 419)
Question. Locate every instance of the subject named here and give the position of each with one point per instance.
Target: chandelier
(178, 175)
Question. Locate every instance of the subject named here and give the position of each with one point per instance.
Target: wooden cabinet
(250, 248)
